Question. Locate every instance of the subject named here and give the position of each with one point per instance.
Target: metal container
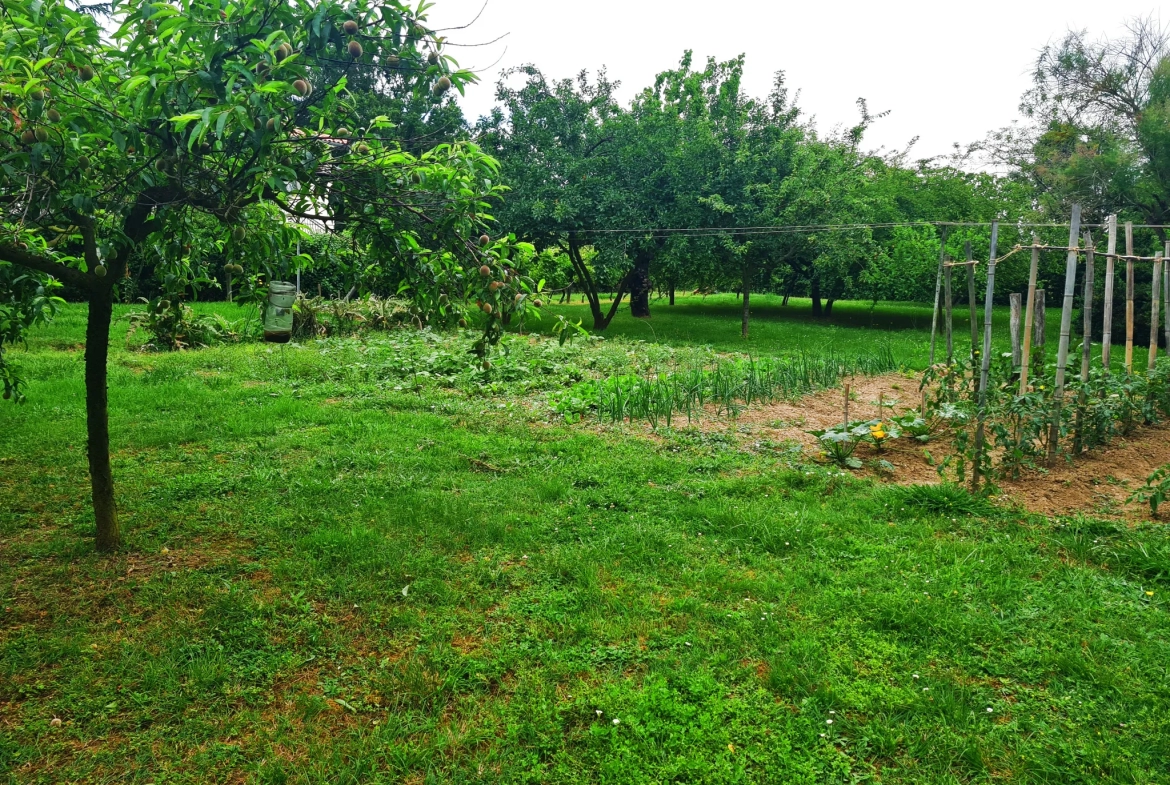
(278, 316)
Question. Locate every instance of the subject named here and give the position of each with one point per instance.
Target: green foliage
(172, 325)
(1155, 491)
(943, 501)
(727, 387)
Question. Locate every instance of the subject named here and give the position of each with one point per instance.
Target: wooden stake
(1090, 282)
(1155, 303)
(972, 307)
(1086, 346)
(1110, 263)
(1017, 305)
(1166, 294)
(1040, 328)
(847, 407)
(948, 320)
(1129, 285)
(985, 368)
(1029, 316)
(1070, 293)
(942, 258)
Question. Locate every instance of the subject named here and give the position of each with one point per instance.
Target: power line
(752, 231)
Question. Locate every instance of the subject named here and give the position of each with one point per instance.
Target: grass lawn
(344, 565)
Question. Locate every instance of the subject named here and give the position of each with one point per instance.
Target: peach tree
(119, 135)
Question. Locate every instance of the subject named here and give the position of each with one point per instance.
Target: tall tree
(1097, 124)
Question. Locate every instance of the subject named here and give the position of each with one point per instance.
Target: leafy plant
(1155, 491)
(838, 445)
(173, 326)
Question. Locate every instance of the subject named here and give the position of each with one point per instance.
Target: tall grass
(729, 385)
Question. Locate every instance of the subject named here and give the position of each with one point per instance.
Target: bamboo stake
(1017, 305)
(1070, 293)
(1029, 316)
(942, 258)
(847, 386)
(972, 306)
(1155, 303)
(1129, 283)
(1086, 345)
(1110, 264)
(1040, 328)
(985, 368)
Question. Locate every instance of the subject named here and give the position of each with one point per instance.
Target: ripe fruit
(85, 73)
(42, 135)
(355, 50)
(537, 303)
(433, 58)
(83, 162)
(350, 27)
(443, 85)
(485, 271)
(283, 52)
(302, 87)
(271, 124)
(463, 323)
(100, 271)
(487, 308)
(53, 116)
(495, 286)
(37, 95)
(342, 132)
(392, 60)
(519, 297)
(238, 234)
(484, 240)
(363, 149)
(27, 136)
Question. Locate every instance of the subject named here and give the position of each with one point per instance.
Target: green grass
(338, 570)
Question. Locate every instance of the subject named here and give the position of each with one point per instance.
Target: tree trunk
(829, 307)
(672, 292)
(639, 282)
(97, 349)
(747, 297)
(815, 288)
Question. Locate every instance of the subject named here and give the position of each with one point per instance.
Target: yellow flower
(1149, 594)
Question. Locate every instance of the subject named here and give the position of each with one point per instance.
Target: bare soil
(1096, 483)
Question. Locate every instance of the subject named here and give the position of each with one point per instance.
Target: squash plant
(116, 139)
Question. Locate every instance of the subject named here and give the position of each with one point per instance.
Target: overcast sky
(947, 72)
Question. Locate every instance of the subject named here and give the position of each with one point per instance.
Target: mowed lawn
(338, 571)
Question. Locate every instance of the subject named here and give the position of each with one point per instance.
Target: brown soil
(1097, 483)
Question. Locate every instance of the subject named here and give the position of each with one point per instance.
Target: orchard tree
(112, 143)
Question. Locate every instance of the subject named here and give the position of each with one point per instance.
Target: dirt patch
(1096, 483)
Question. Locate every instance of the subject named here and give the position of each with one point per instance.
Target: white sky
(948, 72)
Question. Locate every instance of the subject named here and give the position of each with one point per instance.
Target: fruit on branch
(484, 240)
(485, 271)
(83, 162)
(487, 308)
(238, 234)
(53, 116)
(37, 95)
(42, 135)
(350, 27)
(355, 50)
(443, 85)
(302, 87)
(283, 52)
(433, 58)
(27, 136)
(100, 271)
(85, 73)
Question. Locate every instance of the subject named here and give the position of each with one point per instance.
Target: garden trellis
(1078, 247)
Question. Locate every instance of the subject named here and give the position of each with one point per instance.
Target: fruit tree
(116, 135)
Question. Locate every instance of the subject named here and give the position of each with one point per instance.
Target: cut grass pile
(340, 570)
